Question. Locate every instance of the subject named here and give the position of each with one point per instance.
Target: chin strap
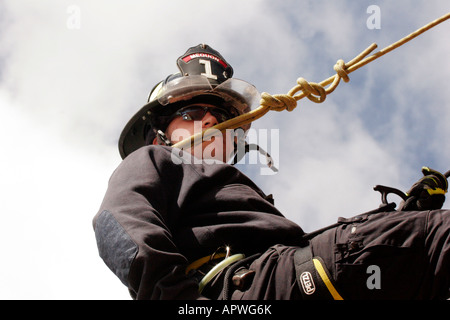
(253, 146)
(162, 137)
(239, 154)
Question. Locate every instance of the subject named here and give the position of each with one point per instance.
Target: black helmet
(205, 77)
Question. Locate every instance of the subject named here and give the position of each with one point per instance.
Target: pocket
(378, 271)
(388, 243)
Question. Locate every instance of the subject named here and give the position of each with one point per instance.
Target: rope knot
(341, 71)
(278, 102)
(313, 91)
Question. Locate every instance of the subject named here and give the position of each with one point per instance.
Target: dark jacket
(158, 215)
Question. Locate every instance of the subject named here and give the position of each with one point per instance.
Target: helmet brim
(134, 134)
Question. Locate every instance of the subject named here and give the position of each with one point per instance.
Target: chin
(215, 151)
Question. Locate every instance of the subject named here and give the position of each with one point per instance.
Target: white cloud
(50, 192)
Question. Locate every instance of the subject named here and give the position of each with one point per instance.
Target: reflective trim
(323, 274)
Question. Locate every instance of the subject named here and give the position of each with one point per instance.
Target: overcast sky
(72, 73)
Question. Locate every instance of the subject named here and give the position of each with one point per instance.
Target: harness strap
(313, 277)
(324, 276)
(202, 261)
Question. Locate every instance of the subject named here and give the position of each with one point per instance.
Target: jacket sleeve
(133, 227)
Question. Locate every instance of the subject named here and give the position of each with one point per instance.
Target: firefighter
(187, 224)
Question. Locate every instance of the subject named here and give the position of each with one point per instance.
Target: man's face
(218, 147)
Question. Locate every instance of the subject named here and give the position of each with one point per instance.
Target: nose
(209, 120)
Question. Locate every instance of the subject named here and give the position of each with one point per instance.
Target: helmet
(204, 77)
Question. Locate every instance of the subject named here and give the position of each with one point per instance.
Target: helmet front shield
(240, 94)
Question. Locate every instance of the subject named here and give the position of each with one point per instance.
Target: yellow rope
(315, 92)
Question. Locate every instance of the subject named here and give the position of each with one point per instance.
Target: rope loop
(313, 91)
(341, 70)
(278, 102)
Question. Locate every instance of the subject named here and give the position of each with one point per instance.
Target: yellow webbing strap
(315, 92)
(198, 263)
(323, 275)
